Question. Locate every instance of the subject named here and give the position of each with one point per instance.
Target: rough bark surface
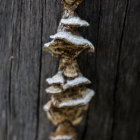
(114, 69)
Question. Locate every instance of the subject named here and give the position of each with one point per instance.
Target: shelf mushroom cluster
(70, 97)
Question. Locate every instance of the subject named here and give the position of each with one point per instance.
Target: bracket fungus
(70, 97)
(64, 134)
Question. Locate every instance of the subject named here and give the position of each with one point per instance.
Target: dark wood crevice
(87, 115)
(11, 58)
(40, 70)
(117, 71)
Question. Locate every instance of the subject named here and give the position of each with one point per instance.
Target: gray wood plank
(25, 77)
(101, 115)
(127, 97)
(6, 11)
(52, 11)
(114, 69)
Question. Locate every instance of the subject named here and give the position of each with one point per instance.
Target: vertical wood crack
(10, 77)
(87, 117)
(117, 72)
(40, 69)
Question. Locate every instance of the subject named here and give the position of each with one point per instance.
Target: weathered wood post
(114, 68)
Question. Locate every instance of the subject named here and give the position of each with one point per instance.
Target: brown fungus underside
(70, 97)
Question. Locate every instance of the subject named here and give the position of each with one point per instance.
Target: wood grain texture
(127, 95)
(101, 113)
(50, 21)
(114, 69)
(24, 44)
(5, 64)
(25, 71)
